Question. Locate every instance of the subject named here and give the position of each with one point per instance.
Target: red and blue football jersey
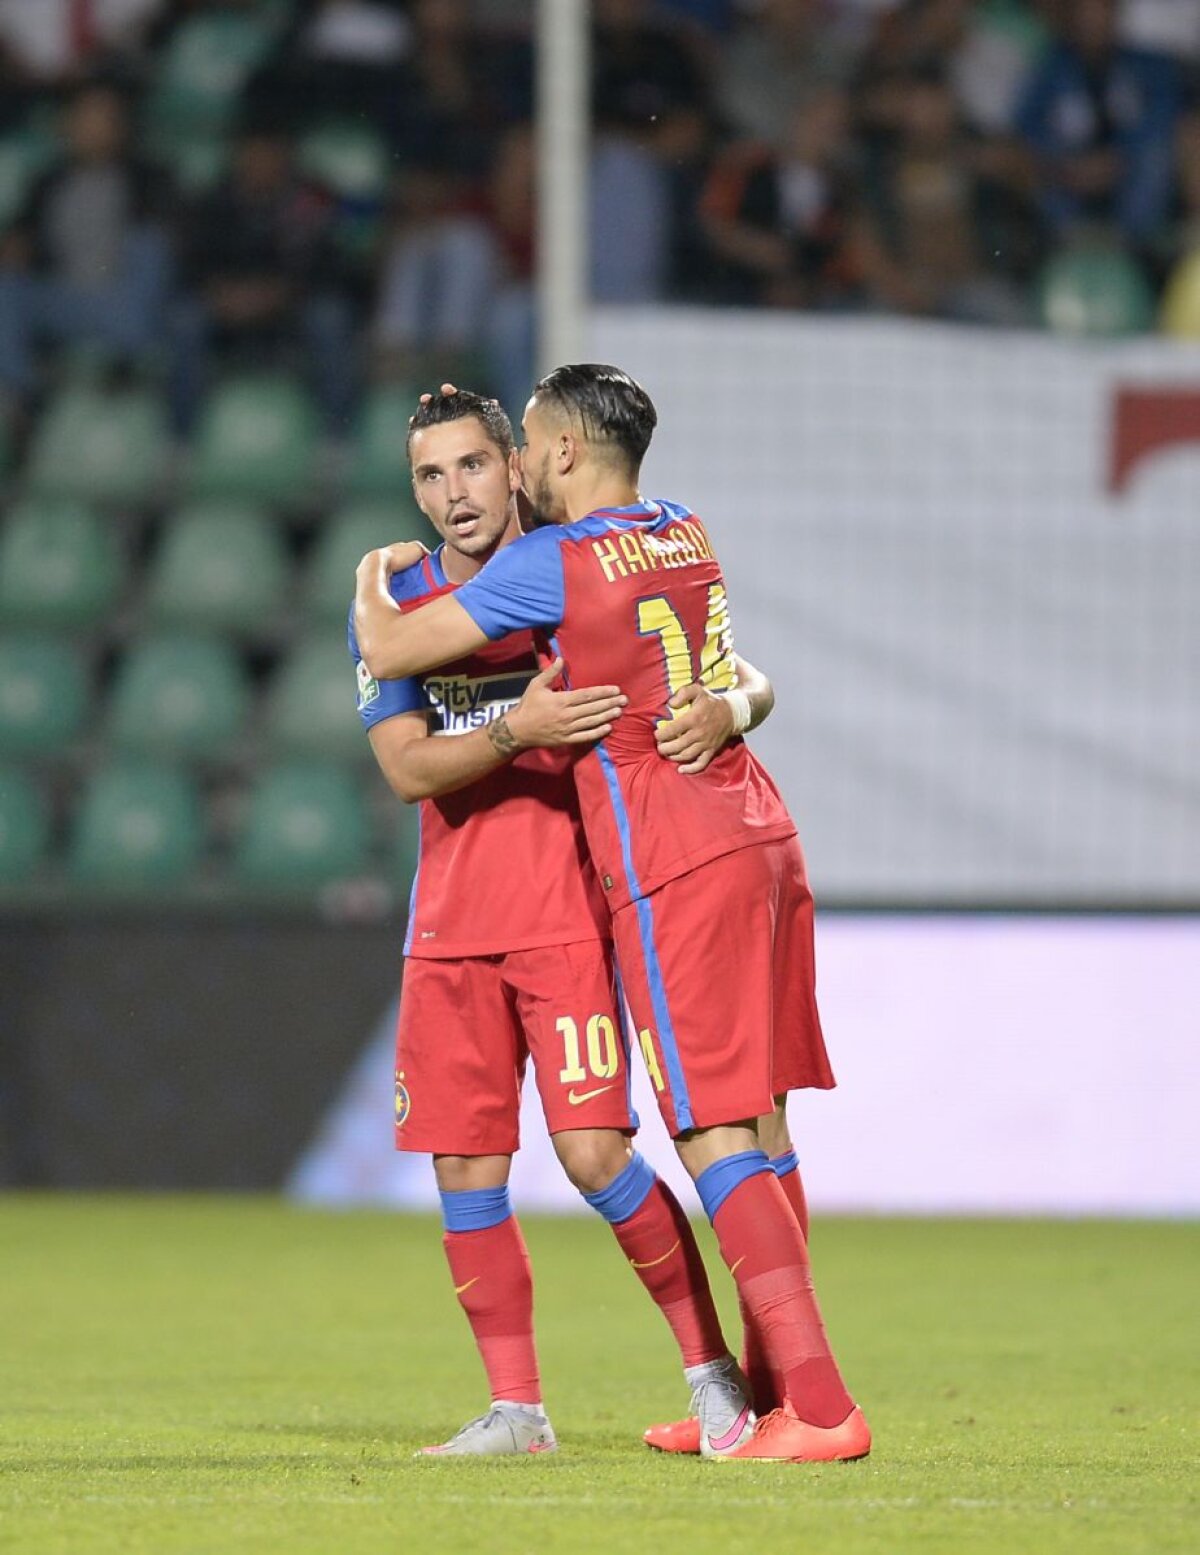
(503, 863)
(635, 597)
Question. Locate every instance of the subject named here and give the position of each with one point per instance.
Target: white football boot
(721, 1403)
(504, 1430)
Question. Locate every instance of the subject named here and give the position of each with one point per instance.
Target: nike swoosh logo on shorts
(458, 1289)
(576, 1098)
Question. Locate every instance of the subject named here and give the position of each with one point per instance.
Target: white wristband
(739, 704)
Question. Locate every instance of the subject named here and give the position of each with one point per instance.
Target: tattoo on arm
(502, 737)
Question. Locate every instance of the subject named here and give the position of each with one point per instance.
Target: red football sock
(494, 1286)
(661, 1246)
(793, 1192)
(761, 1242)
(766, 1386)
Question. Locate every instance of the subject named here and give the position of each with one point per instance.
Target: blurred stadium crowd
(235, 234)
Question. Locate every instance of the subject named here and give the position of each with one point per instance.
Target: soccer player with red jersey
(703, 874)
(507, 954)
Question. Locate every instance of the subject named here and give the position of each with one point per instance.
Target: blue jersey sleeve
(520, 589)
(380, 699)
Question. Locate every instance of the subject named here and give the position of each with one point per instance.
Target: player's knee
(465, 1173)
(773, 1133)
(592, 1158)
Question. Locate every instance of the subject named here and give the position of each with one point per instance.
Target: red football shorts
(719, 973)
(467, 1028)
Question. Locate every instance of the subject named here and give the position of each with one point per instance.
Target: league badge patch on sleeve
(368, 686)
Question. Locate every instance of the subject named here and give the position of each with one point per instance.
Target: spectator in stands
(207, 55)
(87, 261)
(55, 42)
(986, 52)
(511, 205)
(18, 92)
(1099, 119)
(444, 261)
(778, 56)
(650, 108)
(779, 221)
(261, 275)
(456, 93)
(929, 206)
(438, 278)
(1180, 257)
(1187, 224)
(713, 16)
(338, 58)
(1165, 27)
(642, 72)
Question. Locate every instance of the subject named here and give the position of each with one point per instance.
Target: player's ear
(568, 452)
(514, 470)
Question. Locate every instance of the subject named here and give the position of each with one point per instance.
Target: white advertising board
(986, 1065)
(970, 561)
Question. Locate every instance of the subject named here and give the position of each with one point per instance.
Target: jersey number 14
(657, 618)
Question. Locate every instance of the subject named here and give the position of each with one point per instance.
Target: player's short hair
(607, 404)
(457, 407)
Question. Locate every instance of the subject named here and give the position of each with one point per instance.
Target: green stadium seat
(311, 707)
(137, 825)
(379, 464)
(307, 825)
(345, 540)
(1095, 291)
(221, 565)
(197, 164)
(257, 440)
(100, 446)
(23, 156)
(181, 696)
(205, 66)
(23, 826)
(43, 694)
(60, 564)
(348, 157)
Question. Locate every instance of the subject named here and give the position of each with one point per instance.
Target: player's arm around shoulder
(395, 644)
(705, 721)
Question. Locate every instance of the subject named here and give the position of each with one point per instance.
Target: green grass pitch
(235, 1375)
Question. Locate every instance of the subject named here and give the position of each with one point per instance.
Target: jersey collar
(643, 509)
(437, 572)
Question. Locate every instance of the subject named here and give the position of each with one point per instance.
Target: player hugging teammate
(639, 812)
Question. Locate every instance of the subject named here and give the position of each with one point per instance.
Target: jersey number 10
(600, 1043)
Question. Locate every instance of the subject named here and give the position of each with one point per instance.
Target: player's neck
(605, 491)
(461, 569)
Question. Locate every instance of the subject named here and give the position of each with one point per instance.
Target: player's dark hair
(607, 404)
(457, 407)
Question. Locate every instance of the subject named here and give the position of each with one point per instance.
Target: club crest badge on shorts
(403, 1101)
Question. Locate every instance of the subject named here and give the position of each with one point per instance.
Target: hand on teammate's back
(546, 717)
(702, 726)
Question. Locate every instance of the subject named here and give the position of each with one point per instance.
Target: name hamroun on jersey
(683, 544)
(465, 702)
